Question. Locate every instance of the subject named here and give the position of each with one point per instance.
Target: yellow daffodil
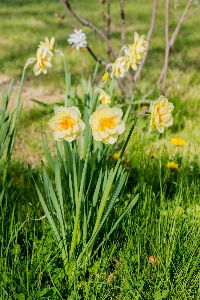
(66, 124)
(43, 60)
(161, 116)
(136, 51)
(105, 77)
(120, 67)
(106, 124)
(48, 43)
(104, 98)
(178, 141)
(172, 165)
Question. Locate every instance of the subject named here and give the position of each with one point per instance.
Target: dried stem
(67, 5)
(123, 30)
(166, 47)
(149, 34)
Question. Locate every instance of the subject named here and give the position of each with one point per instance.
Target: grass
(154, 253)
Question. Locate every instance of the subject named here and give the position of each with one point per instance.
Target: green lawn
(154, 251)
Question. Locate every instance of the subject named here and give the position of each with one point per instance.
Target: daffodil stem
(128, 137)
(67, 82)
(144, 112)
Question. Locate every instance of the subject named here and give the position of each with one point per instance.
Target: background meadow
(154, 252)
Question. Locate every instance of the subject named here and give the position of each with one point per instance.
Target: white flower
(77, 39)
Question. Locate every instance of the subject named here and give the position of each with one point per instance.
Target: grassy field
(154, 252)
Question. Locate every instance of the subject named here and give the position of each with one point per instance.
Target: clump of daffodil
(120, 67)
(161, 117)
(178, 141)
(104, 98)
(43, 56)
(172, 165)
(106, 124)
(136, 51)
(66, 124)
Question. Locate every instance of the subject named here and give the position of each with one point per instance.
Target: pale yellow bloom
(43, 60)
(161, 116)
(172, 165)
(178, 141)
(120, 67)
(106, 124)
(105, 77)
(66, 124)
(48, 43)
(104, 98)
(136, 51)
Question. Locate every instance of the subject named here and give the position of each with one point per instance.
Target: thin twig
(149, 34)
(123, 30)
(108, 20)
(66, 4)
(166, 47)
(103, 63)
(192, 13)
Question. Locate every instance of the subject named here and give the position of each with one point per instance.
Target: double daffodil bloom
(104, 98)
(120, 67)
(161, 116)
(136, 51)
(66, 124)
(106, 124)
(43, 56)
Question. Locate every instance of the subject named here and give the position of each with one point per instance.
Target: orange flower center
(66, 123)
(107, 123)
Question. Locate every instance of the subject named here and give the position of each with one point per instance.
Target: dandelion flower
(178, 141)
(106, 124)
(77, 39)
(120, 67)
(172, 165)
(161, 116)
(116, 156)
(66, 124)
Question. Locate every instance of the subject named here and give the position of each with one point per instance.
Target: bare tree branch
(108, 19)
(192, 13)
(66, 4)
(103, 63)
(165, 66)
(123, 30)
(171, 43)
(149, 34)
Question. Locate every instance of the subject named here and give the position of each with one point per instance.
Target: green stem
(67, 82)
(144, 112)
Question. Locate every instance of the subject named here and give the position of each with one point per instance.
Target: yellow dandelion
(116, 156)
(172, 165)
(178, 141)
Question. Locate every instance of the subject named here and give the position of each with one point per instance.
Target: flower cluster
(77, 39)
(133, 55)
(43, 56)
